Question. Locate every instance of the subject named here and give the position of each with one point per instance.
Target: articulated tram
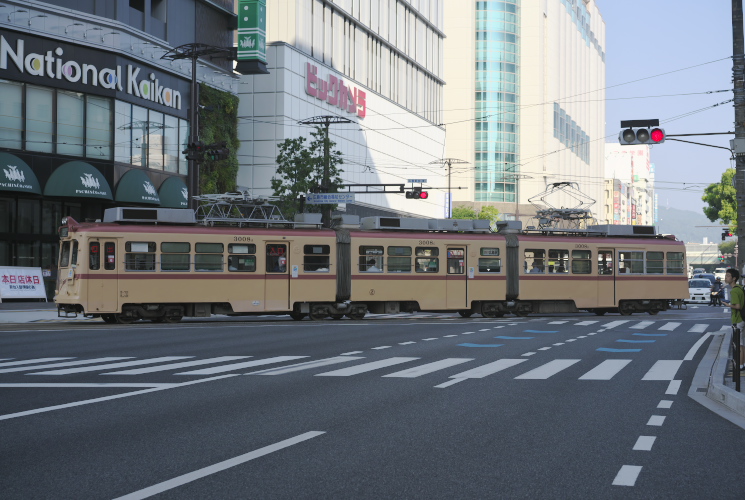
(160, 265)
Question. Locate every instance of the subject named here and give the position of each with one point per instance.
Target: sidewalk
(29, 312)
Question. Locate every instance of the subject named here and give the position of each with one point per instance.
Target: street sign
(329, 198)
(415, 181)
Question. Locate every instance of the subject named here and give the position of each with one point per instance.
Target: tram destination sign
(329, 198)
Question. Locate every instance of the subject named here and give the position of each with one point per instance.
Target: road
(422, 406)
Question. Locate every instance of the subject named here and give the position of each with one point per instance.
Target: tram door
(103, 282)
(277, 283)
(606, 279)
(457, 279)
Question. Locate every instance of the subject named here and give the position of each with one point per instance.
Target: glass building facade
(497, 134)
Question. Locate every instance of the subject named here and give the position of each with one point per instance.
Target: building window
(98, 127)
(11, 115)
(39, 124)
(70, 119)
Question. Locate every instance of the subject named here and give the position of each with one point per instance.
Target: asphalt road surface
(402, 406)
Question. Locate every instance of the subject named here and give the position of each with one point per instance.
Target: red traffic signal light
(657, 135)
(417, 194)
(423, 195)
(642, 135)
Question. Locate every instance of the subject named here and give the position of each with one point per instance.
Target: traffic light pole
(738, 74)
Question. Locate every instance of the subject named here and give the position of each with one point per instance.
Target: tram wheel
(599, 312)
(109, 318)
(159, 319)
(521, 313)
(337, 316)
(175, 318)
(653, 312)
(356, 316)
(124, 320)
(465, 314)
(297, 316)
(625, 311)
(317, 316)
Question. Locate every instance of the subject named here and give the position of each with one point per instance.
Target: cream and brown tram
(159, 265)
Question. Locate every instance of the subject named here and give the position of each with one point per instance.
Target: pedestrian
(716, 293)
(736, 304)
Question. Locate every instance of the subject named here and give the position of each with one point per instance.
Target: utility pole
(738, 77)
(449, 162)
(326, 120)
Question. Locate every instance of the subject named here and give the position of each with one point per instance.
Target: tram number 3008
(581, 245)
(242, 238)
(426, 242)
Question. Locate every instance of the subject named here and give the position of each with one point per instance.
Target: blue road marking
(608, 349)
(481, 345)
(513, 338)
(650, 334)
(636, 341)
(540, 331)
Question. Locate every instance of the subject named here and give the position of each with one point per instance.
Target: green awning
(135, 187)
(77, 179)
(17, 176)
(174, 193)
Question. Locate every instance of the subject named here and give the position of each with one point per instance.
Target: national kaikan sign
(335, 92)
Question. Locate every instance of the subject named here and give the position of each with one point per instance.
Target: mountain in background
(686, 226)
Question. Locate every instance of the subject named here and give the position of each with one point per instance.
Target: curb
(718, 391)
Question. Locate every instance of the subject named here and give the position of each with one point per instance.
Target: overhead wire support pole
(449, 162)
(738, 77)
(326, 121)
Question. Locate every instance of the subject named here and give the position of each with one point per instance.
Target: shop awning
(135, 187)
(17, 176)
(77, 179)
(174, 193)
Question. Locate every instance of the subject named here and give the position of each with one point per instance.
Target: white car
(719, 272)
(699, 290)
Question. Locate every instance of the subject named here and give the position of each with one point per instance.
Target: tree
(488, 212)
(300, 171)
(463, 212)
(722, 200)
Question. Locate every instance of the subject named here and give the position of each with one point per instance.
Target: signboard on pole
(21, 283)
(329, 198)
(251, 37)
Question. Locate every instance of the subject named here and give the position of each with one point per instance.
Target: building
(91, 117)
(377, 63)
(524, 102)
(629, 196)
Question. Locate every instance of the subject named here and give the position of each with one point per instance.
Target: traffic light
(417, 194)
(194, 151)
(726, 233)
(218, 151)
(642, 135)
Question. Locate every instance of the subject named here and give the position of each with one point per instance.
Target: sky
(645, 39)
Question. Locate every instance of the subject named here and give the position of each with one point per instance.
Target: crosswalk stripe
(365, 367)
(669, 326)
(641, 325)
(176, 366)
(606, 370)
(614, 324)
(31, 361)
(489, 368)
(239, 366)
(698, 328)
(60, 365)
(67, 371)
(663, 370)
(429, 368)
(549, 369)
(307, 365)
(557, 322)
(585, 323)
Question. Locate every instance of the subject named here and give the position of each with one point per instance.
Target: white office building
(524, 101)
(378, 63)
(629, 196)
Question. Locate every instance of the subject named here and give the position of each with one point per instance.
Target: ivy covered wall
(218, 121)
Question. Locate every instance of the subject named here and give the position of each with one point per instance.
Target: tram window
(140, 256)
(427, 261)
(109, 250)
(94, 256)
(242, 258)
(208, 256)
(558, 261)
(675, 262)
(316, 258)
(535, 260)
(74, 258)
(399, 259)
(490, 265)
(581, 261)
(630, 262)
(276, 258)
(456, 261)
(174, 256)
(427, 251)
(605, 262)
(371, 259)
(655, 262)
(64, 257)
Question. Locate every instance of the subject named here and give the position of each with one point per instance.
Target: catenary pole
(738, 77)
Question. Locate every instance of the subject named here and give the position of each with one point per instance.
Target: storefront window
(11, 115)
(29, 216)
(155, 141)
(7, 215)
(39, 126)
(27, 254)
(123, 132)
(98, 128)
(51, 216)
(171, 149)
(70, 108)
